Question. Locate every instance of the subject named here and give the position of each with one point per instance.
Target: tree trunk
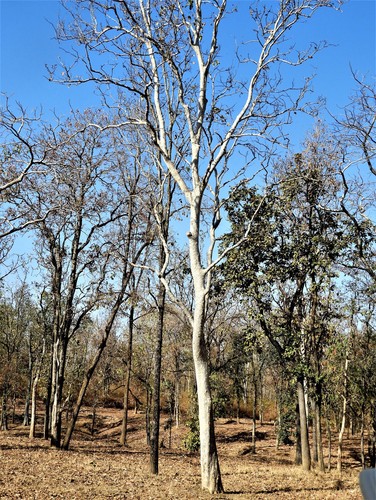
(4, 414)
(210, 471)
(33, 405)
(154, 434)
(362, 452)
(47, 414)
(93, 419)
(315, 455)
(124, 423)
(343, 419)
(254, 415)
(298, 444)
(329, 434)
(320, 451)
(26, 419)
(306, 456)
(92, 367)
(59, 359)
(177, 400)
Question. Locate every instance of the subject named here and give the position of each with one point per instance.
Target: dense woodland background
(109, 222)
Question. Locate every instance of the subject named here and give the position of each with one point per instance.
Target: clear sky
(27, 45)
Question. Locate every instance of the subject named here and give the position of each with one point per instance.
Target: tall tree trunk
(329, 434)
(298, 443)
(26, 419)
(34, 393)
(315, 455)
(306, 455)
(101, 347)
(177, 399)
(254, 415)
(34, 405)
(372, 440)
(47, 405)
(343, 418)
(210, 471)
(320, 451)
(154, 434)
(362, 452)
(124, 423)
(4, 413)
(261, 404)
(81, 395)
(57, 395)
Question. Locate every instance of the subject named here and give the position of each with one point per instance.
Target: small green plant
(191, 441)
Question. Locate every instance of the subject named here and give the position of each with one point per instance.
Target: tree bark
(344, 413)
(298, 435)
(210, 471)
(306, 455)
(60, 355)
(34, 405)
(124, 423)
(320, 451)
(362, 452)
(4, 414)
(154, 434)
(315, 455)
(47, 406)
(329, 434)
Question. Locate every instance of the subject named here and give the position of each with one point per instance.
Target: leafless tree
(20, 156)
(200, 108)
(86, 190)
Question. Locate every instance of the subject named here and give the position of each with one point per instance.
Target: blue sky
(27, 45)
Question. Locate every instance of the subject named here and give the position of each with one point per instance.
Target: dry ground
(98, 468)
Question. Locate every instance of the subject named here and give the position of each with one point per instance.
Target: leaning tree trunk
(101, 347)
(306, 455)
(81, 396)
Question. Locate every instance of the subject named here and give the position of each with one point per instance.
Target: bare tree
(21, 156)
(199, 109)
(78, 194)
(357, 131)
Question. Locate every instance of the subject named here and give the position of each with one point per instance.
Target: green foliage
(191, 442)
(220, 395)
(285, 427)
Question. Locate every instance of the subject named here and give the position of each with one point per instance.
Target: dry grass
(98, 468)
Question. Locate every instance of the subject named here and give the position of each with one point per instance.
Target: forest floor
(97, 467)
